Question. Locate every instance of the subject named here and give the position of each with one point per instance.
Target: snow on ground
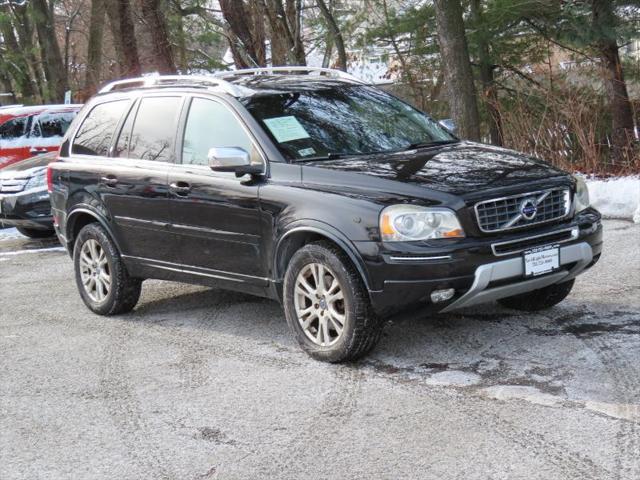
(617, 197)
(9, 234)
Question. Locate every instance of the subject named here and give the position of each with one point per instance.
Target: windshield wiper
(413, 146)
(333, 156)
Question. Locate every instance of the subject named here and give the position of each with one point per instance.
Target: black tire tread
(125, 289)
(368, 327)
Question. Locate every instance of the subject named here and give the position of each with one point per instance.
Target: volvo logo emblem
(528, 209)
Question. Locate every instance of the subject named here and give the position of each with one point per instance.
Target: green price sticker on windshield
(286, 129)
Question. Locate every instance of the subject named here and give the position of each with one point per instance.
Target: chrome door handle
(37, 151)
(180, 188)
(109, 180)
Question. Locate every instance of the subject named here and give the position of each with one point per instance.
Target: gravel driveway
(198, 384)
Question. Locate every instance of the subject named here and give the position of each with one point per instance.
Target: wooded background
(556, 78)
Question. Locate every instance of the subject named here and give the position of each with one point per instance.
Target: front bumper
(479, 270)
(29, 209)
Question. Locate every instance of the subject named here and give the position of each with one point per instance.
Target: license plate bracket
(541, 260)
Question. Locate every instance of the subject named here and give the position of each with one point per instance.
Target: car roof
(22, 111)
(242, 83)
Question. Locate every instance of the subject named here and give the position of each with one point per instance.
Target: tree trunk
(286, 35)
(604, 21)
(457, 68)
(246, 26)
(24, 29)
(489, 93)
(160, 48)
(94, 47)
(336, 35)
(124, 37)
(54, 68)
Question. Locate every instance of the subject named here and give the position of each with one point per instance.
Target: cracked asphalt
(205, 384)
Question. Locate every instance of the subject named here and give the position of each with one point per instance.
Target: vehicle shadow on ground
(490, 344)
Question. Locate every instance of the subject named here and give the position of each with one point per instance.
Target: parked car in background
(24, 200)
(29, 131)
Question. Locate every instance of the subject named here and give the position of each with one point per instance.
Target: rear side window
(50, 125)
(154, 130)
(14, 128)
(97, 130)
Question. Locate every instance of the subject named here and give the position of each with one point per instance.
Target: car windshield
(342, 121)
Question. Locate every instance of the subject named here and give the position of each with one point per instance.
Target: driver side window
(211, 124)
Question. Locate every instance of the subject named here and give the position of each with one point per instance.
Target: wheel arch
(302, 234)
(78, 218)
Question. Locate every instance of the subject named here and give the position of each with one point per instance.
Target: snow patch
(519, 392)
(617, 197)
(454, 378)
(10, 234)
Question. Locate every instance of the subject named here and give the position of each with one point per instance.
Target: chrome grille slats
(501, 214)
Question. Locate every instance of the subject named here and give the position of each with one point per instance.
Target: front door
(215, 214)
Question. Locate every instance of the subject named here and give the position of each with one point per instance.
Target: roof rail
(328, 72)
(178, 80)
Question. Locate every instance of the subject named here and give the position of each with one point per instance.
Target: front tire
(36, 232)
(541, 299)
(102, 279)
(327, 305)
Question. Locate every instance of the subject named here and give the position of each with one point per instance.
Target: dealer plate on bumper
(541, 260)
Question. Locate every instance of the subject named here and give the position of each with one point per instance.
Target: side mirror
(232, 159)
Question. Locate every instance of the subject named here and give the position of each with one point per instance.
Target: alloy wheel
(319, 304)
(94, 271)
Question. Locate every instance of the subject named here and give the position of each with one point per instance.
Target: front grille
(12, 186)
(521, 244)
(519, 211)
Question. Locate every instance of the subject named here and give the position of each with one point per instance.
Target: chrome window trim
(575, 233)
(566, 191)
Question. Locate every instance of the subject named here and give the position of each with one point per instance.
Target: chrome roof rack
(327, 72)
(150, 81)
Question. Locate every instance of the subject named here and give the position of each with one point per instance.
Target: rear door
(130, 173)
(215, 213)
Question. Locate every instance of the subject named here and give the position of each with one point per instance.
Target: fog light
(438, 296)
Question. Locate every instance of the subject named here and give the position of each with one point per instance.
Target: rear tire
(101, 276)
(339, 324)
(36, 232)
(542, 299)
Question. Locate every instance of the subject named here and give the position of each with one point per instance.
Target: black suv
(310, 187)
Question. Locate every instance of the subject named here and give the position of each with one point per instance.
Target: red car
(29, 131)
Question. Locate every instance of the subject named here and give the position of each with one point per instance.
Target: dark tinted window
(49, 125)
(211, 124)
(342, 120)
(154, 130)
(122, 146)
(97, 130)
(14, 128)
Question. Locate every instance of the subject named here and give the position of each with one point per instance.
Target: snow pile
(617, 197)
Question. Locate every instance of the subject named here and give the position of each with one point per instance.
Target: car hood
(454, 168)
(29, 167)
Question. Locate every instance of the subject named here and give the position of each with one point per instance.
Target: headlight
(406, 223)
(37, 181)
(582, 194)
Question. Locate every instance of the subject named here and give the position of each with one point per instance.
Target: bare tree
(94, 45)
(160, 48)
(246, 32)
(124, 36)
(604, 22)
(457, 68)
(285, 26)
(335, 34)
(14, 61)
(54, 67)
